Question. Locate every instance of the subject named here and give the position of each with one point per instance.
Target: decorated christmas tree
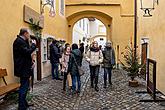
(131, 61)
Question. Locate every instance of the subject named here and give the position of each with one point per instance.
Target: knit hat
(108, 43)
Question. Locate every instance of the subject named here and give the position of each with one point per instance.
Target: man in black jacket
(54, 59)
(23, 64)
(82, 51)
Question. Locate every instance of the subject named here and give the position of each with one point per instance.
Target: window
(61, 7)
(80, 23)
(87, 29)
(101, 39)
(84, 24)
(102, 29)
(49, 41)
(44, 49)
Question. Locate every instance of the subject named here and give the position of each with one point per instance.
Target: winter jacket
(54, 54)
(109, 57)
(81, 49)
(22, 57)
(72, 67)
(65, 61)
(94, 57)
(82, 53)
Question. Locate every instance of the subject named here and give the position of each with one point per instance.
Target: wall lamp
(50, 3)
(147, 6)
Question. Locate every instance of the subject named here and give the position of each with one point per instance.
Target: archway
(104, 18)
(87, 30)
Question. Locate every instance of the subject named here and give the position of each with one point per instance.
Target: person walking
(54, 59)
(108, 62)
(82, 51)
(94, 57)
(74, 62)
(23, 64)
(65, 61)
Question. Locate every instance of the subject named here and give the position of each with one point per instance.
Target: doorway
(144, 50)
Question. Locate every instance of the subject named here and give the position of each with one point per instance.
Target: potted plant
(131, 65)
(35, 28)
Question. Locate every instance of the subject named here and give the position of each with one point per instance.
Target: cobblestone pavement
(48, 95)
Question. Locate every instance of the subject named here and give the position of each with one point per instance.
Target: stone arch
(104, 18)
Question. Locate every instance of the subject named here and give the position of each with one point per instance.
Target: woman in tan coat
(95, 58)
(64, 61)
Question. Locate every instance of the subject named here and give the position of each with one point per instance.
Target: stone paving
(48, 95)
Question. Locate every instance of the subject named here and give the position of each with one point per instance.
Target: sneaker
(105, 86)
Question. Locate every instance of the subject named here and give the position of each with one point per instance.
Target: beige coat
(94, 58)
(64, 62)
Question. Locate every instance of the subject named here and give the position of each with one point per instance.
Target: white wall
(86, 28)
(80, 30)
(101, 42)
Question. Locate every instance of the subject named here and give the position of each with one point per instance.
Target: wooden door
(144, 59)
(37, 70)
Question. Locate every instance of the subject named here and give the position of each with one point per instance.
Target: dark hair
(66, 47)
(82, 44)
(23, 31)
(54, 41)
(74, 46)
(67, 44)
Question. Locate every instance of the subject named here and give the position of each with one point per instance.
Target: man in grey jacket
(108, 62)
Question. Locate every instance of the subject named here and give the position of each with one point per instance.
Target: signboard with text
(151, 77)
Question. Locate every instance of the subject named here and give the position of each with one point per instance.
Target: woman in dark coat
(74, 60)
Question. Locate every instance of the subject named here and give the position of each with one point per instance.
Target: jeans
(76, 78)
(94, 74)
(107, 71)
(24, 81)
(55, 67)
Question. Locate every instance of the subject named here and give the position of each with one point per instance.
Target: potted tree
(131, 65)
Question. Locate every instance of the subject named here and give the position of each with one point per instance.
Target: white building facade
(88, 30)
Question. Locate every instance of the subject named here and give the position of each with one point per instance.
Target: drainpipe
(135, 26)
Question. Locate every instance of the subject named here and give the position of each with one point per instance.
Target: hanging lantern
(49, 3)
(147, 6)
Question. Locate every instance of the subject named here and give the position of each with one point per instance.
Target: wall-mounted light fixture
(147, 6)
(47, 3)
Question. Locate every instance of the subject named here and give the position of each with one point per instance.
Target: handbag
(69, 78)
(80, 70)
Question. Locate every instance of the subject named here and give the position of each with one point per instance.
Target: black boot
(92, 85)
(96, 88)
(110, 80)
(105, 83)
(92, 82)
(110, 83)
(105, 86)
(96, 82)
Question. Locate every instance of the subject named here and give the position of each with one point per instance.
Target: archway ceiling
(87, 14)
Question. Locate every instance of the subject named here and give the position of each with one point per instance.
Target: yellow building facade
(117, 16)
(11, 16)
(153, 29)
